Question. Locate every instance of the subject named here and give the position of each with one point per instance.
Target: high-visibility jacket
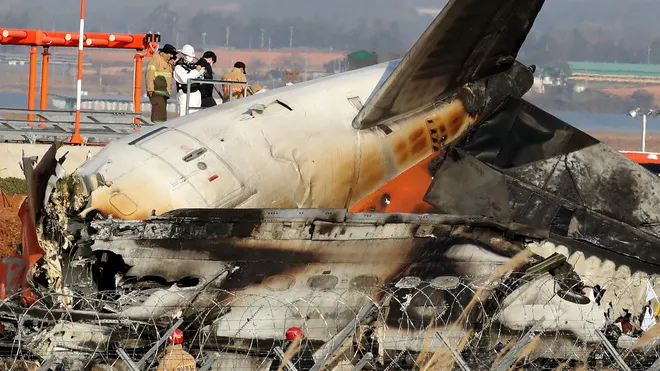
(177, 359)
(159, 76)
(236, 90)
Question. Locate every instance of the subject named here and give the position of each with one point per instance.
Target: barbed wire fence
(463, 323)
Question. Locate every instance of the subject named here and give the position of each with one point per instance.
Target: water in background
(583, 121)
(19, 100)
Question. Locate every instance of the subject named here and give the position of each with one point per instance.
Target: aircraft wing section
(468, 40)
(524, 166)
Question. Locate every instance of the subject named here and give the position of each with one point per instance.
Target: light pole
(76, 138)
(644, 113)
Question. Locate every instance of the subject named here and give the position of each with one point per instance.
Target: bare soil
(10, 224)
(628, 142)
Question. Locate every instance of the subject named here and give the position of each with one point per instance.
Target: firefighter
(175, 358)
(237, 74)
(159, 73)
(184, 70)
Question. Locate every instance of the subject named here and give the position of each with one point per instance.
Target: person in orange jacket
(237, 74)
(158, 79)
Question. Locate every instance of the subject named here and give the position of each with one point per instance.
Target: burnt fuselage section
(273, 251)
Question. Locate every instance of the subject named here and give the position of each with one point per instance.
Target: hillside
(337, 24)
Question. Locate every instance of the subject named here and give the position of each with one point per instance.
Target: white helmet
(188, 51)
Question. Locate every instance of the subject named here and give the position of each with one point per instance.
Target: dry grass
(647, 337)
(482, 294)
(443, 358)
(527, 350)
(627, 141)
(504, 350)
(428, 335)
(290, 352)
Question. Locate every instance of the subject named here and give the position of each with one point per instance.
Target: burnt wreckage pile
(518, 182)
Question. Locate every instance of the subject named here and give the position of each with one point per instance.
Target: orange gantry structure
(144, 44)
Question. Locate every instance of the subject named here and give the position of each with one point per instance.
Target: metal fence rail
(214, 83)
(58, 125)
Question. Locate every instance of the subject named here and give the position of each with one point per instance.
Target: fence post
(187, 96)
(208, 364)
(363, 362)
(510, 357)
(457, 357)
(337, 340)
(47, 365)
(138, 366)
(127, 360)
(655, 366)
(612, 351)
(288, 364)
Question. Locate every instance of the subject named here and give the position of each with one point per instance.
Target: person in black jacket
(207, 61)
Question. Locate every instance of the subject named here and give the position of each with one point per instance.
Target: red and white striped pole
(77, 138)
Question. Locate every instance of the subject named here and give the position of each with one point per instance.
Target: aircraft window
(194, 154)
(356, 102)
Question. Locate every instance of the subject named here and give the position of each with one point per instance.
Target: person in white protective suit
(185, 70)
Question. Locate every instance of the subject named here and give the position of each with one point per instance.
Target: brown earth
(9, 223)
(226, 58)
(113, 84)
(628, 142)
(626, 92)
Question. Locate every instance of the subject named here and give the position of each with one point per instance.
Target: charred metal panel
(175, 246)
(37, 177)
(468, 40)
(342, 232)
(527, 167)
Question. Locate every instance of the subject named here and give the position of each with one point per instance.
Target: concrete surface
(11, 154)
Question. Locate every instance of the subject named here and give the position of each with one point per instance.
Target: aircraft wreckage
(303, 197)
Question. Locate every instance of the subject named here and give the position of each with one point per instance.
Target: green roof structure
(362, 55)
(615, 69)
(361, 59)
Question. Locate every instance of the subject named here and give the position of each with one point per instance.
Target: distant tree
(334, 65)
(642, 99)
(257, 64)
(578, 47)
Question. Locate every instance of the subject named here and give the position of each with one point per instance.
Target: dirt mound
(626, 92)
(10, 224)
